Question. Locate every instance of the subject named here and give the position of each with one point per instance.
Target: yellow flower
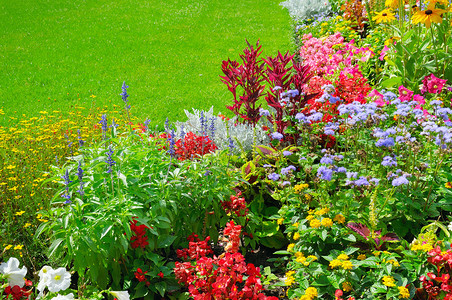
(388, 281)
(428, 16)
(361, 257)
(290, 247)
(295, 224)
(327, 222)
(289, 278)
(311, 211)
(18, 247)
(448, 185)
(385, 16)
(311, 292)
(346, 286)
(19, 213)
(322, 211)
(27, 225)
(93, 96)
(342, 256)
(335, 263)
(347, 265)
(315, 223)
(309, 217)
(296, 236)
(392, 3)
(299, 187)
(339, 218)
(393, 262)
(8, 247)
(404, 292)
(280, 221)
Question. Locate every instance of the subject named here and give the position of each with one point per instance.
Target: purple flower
(326, 160)
(231, 145)
(388, 161)
(341, 170)
(301, 117)
(171, 142)
(285, 171)
(286, 183)
(267, 166)
(287, 153)
(273, 176)
(110, 160)
(315, 116)
(80, 141)
(375, 181)
(264, 112)
(352, 175)
(361, 181)
(399, 181)
(67, 181)
(385, 142)
(277, 136)
(325, 173)
(80, 178)
(124, 94)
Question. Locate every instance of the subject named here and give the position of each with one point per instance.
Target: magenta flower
(379, 99)
(419, 99)
(383, 53)
(432, 84)
(405, 94)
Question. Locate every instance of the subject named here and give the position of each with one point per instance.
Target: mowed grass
(55, 54)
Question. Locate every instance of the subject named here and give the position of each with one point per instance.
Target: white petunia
(450, 226)
(121, 295)
(64, 297)
(14, 275)
(59, 280)
(44, 277)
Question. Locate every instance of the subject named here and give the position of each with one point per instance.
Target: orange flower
(431, 14)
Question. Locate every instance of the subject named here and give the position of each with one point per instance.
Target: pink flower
(379, 100)
(405, 94)
(383, 53)
(432, 84)
(418, 98)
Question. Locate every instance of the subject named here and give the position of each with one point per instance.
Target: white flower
(450, 226)
(12, 272)
(59, 280)
(44, 277)
(123, 295)
(64, 297)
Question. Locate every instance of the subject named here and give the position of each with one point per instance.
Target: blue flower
(273, 176)
(361, 181)
(287, 153)
(277, 136)
(110, 160)
(264, 112)
(400, 180)
(285, 171)
(388, 142)
(388, 161)
(124, 94)
(341, 170)
(326, 160)
(325, 173)
(286, 183)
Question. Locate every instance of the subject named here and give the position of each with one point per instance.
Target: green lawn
(57, 53)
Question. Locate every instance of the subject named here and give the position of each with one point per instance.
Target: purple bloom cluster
(389, 161)
(110, 160)
(325, 173)
(273, 176)
(67, 181)
(277, 136)
(285, 171)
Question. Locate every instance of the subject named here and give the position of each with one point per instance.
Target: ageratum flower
(277, 136)
(325, 173)
(273, 176)
(400, 180)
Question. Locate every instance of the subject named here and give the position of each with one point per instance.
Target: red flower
(160, 274)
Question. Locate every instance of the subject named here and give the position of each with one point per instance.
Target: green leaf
(390, 82)
(54, 246)
(165, 241)
(105, 231)
(161, 287)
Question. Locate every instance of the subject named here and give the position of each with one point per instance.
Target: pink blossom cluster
(328, 55)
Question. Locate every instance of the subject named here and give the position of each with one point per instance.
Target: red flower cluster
(236, 204)
(141, 276)
(339, 293)
(193, 146)
(439, 285)
(190, 147)
(18, 293)
(196, 249)
(221, 277)
(139, 239)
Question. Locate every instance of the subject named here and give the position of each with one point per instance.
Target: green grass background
(55, 54)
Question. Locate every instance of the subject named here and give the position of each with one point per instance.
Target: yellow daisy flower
(384, 16)
(431, 14)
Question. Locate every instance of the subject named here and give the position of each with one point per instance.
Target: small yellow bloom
(448, 185)
(280, 221)
(19, 213)
(388, 281)
(335, 263)
(346, 286)
(404, 292)
(296, 236)
(327, 222)
(311, 292)
(392, 3)
(27, 225)
(315, 223)
(361, 257)
(18, 247)
(295, 224)
(347, 265)
(93, 96)
(309, 217)
(8, 247)
(322, 211)
(342, 256)
(339, 218)
(290, 247)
